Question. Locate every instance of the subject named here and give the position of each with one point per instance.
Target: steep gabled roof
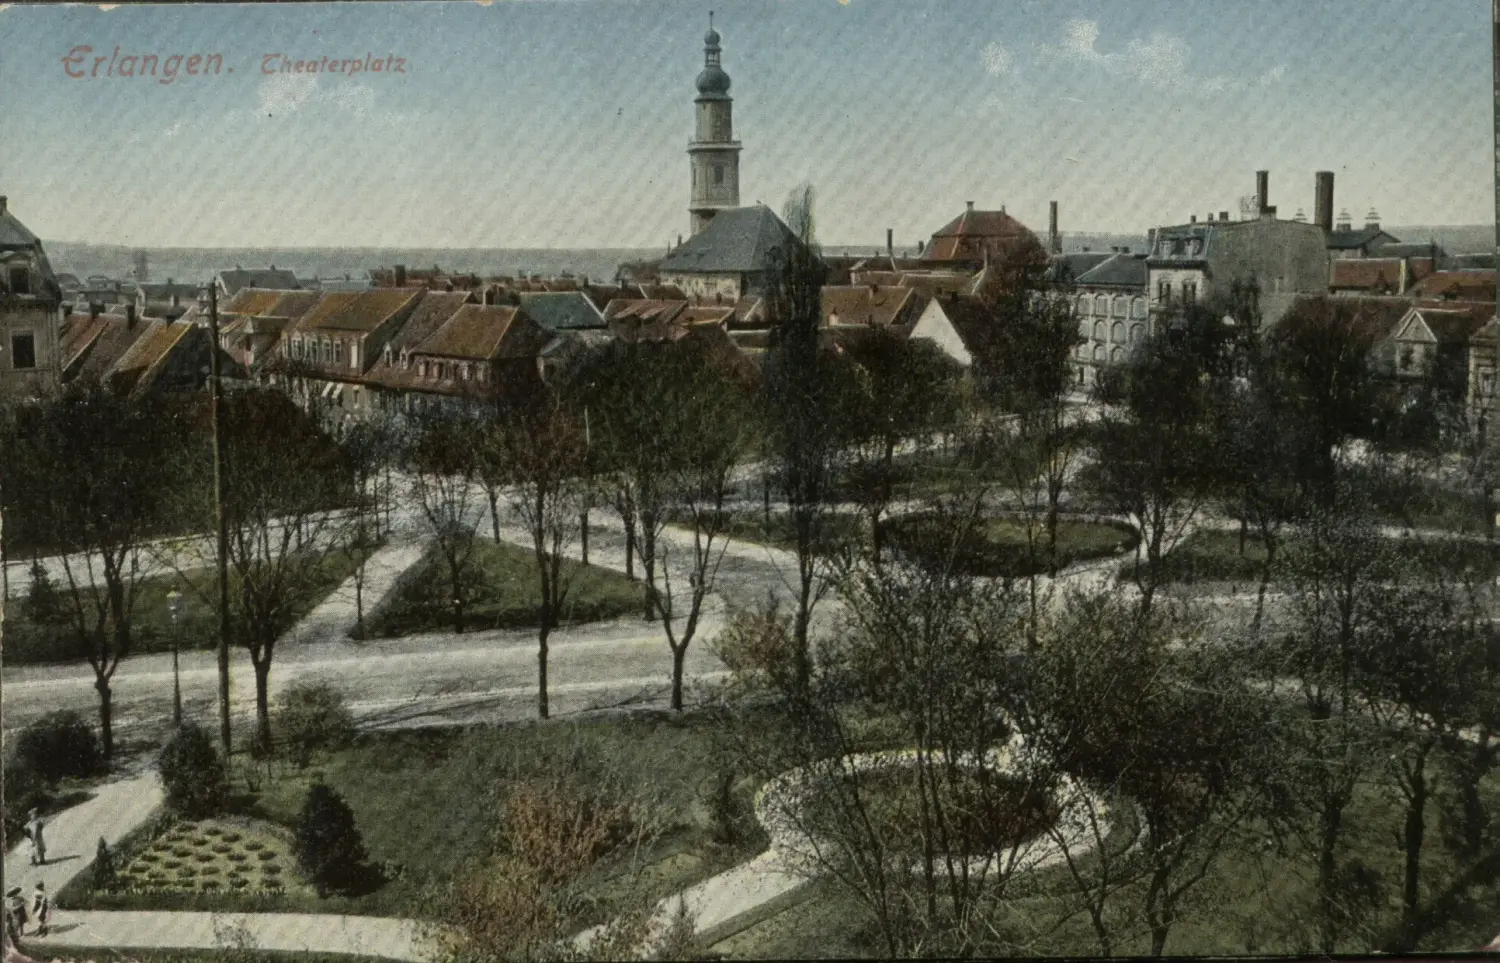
(357, 311)
(485, 332)
(1070, 267)
(866, 304)
(435, 308)
(238, 278)
(1116, 271)
(139, 366)
(562, 310)
(738, 240)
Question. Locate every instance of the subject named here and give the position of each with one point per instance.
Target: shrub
(105, 877)
(44, 603)
(58, 745)
(25, 790)
(329, 848)
(196, 779)
(313, 716)
(559, 828)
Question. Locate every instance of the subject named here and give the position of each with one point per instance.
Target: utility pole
(216, 402)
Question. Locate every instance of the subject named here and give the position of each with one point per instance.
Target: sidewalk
(338, 615)
(286, 932)
(72, 836)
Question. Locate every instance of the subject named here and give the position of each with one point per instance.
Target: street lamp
(174, 605)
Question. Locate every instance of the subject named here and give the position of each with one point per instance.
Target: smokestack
(1054, 240)
(400, 275)
(1223, 215)
(971, 206)
(1323, 199)
(1263, 189)
(2, 204)
(890, 243)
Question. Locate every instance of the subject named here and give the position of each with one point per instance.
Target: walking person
(15, 914)
(41, 908)
(34, 828)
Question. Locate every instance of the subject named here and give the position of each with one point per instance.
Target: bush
(25, 790)
(57, 745)
(313, 716)
(329, 848)
(196, 779)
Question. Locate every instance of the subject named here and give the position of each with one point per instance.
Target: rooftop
(741, 239)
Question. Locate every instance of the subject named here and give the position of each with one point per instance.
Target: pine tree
(104, 867)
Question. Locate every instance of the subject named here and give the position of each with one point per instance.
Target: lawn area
(427, 802)
(999, 548)
(1214, 556)
(838, 529)
(1421, 503)
(506, 596)
(152, 630)
(1255, 900)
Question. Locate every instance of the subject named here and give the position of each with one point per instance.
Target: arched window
(1136, 331)
(1099, 353)
(1116, 355)
(1119, 306)
(718, 173)
(1084, 327)
(1101, 305)
(1137, 307)
(1083, 304)
(1117, 332)
(1098, 330)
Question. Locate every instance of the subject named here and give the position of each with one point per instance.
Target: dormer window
(20, 279)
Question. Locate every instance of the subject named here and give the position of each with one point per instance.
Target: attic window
(20, 279)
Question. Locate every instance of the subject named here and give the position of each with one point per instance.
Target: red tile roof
(868, 305)
(478, 332)
(357, 311)
(1374, 275)
(1469, 285)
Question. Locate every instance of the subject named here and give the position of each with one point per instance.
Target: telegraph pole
(216, 402)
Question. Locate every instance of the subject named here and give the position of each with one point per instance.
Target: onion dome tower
(713, 153)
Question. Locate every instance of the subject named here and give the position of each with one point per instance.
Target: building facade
(30, 313)
(713, 153)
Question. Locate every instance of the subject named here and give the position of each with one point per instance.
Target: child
(34, 827)
(41, 908)
(15, 913)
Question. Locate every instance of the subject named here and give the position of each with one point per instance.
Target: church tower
(713, 152)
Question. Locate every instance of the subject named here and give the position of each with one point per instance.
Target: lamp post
(174, 605)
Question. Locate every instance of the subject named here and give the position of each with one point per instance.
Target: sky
(564, 123)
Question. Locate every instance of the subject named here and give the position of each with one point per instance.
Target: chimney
(1323, 199)
(1263, 190)
(1372, 221)
(971, 206)
(1192, 218)
(94, 308)
(130, 315)
(400, 275)
(890, 243)
(1223, 215)
(1054, 240)
(2, 204)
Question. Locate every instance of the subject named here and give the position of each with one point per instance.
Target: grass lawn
(427, 803)
(1421, 503)
(152, 630)
(838, 529)
(1214, 556)
(998, 547)
(1255, 900)
(506, 596)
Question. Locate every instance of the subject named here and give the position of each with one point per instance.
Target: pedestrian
(41, 908)
(15, 914)
(34, 828)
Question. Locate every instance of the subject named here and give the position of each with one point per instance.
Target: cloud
(1273, 76)
(1160, 60)
(997, 60)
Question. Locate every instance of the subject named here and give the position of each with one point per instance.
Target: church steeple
(713, 153)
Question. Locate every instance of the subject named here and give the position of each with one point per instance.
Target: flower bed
(212, 856)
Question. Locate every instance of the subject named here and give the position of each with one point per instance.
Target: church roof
(740, 239)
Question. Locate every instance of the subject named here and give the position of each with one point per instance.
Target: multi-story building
(30, 313)
(1113, 314)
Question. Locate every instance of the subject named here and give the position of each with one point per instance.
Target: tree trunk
(1332, 818)
(262, 701)
(766, 498)
(629, 520)
(106, 717)
(541, 665)
(1244, 534)
(679, 656)
(359, 603)
(1474, 821)
(583, 529)
(494, 498)
(1414, 829)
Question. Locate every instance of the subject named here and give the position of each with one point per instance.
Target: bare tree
(443, 452)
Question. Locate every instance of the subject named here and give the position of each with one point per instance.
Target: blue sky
(563, 123)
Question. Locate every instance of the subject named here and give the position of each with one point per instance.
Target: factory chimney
(1054, 240)
(890, 245)
(1323, 200)
(1263, 191)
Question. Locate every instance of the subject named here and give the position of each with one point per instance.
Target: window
(1101, 305)
(1083, 305)
(20, 279)
(354, 355)
(22, 350)
(1487, 384)
(1163, 290)
(1099, 353)
(1189, 291)
(1119, 307)
(1116, 355)
(718, 173)
(1098, 330)
(1080, 374)
(1117, 332)
(695, 176)
(1136, 332)
(1179, 247)
(1137, 307)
